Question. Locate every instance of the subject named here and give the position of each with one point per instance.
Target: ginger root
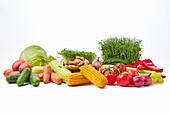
(77, 63)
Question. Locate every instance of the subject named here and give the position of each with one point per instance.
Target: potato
(16, 65)
(14, 73)
(24, 65)
(7, 72)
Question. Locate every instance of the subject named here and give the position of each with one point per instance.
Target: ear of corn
(94, 76)
(74, 79)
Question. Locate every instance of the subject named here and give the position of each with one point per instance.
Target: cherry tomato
(119, 68)
(133, 73)
(124, 79)
(110, 77)
(102, 70)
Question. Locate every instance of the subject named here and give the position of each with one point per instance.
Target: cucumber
(12, 78)
(34, 79)
(23, 76)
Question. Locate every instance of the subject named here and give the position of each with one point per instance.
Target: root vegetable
(75, 62)
(86, 62)
(24, 65)
(72, 67)
(47, 73)
(16, 65)
(55, 78)
(81, 58)
(147, 80)
(7, 72)
(138, 81)
(80, 64)
(41, 76)
(14, 73)
(97, 63)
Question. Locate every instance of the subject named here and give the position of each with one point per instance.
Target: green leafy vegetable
(35, 55)
(124, 50)
(69, 55)
(50, 58)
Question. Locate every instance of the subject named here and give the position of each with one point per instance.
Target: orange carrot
(55, 78)
(41, 76)
(47, 73)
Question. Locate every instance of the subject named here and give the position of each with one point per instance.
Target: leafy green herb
(69, 55)
(120, 50)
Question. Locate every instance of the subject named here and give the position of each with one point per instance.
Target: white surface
(79, 25)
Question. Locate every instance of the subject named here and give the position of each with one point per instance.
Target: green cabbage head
(35, 55)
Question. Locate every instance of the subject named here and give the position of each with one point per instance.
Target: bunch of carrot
(47, 75)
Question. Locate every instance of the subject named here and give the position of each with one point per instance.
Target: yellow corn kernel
(94, 76)
(75, 79)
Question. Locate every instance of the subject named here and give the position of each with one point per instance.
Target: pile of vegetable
(80, 68)
(120, 50)
(21, 73)
(139, 74)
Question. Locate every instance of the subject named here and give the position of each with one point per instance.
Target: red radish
(24, 65)
(147, 80)
(7, 72)
(138, 81)
(14, 73)
(16, 65)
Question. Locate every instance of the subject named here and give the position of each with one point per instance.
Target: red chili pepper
(150, 65)
(141, 66)
(135, 64)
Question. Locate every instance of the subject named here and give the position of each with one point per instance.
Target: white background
(79, 25)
